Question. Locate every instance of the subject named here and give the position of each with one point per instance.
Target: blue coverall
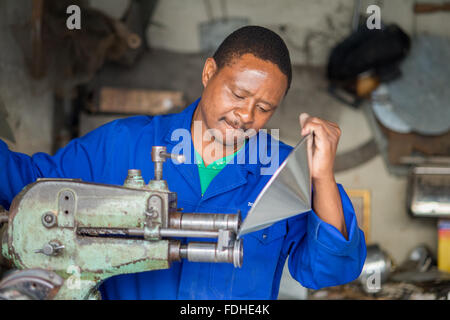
(319, 255)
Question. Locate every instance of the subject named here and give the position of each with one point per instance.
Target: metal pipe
(172, 233)
(188, 233)
(159, 156)
(158, 161)
(158, 170)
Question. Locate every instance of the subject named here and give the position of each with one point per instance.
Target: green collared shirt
(207, 173)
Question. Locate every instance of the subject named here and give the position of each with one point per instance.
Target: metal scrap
(420, 98)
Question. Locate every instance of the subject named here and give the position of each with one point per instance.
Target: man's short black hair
(259, 41)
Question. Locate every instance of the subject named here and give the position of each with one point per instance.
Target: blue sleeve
(319, 255)
(82, 158)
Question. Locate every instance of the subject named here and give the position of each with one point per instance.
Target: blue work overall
(318, 254)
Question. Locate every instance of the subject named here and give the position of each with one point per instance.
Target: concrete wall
(400, 12)
(29, 103)
(309, 27)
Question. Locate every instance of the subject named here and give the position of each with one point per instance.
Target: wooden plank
(401, 145)
(138, 101)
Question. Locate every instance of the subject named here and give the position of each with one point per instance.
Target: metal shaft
(174, 233)
(158, 160)
(159, 156)
(188, 233)
(169, 233)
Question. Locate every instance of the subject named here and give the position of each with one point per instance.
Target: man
(244, 83)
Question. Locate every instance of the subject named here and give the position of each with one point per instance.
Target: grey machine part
(420, 268)
(385, 112)
(420, 259)
(376, 269)
(288, 192)
(151, 213)
(429, 192)
(420, 98)
(30, 284)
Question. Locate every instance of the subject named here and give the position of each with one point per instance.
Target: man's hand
(326, 139)
(327, 200)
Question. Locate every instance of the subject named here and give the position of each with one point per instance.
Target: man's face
(240, 96)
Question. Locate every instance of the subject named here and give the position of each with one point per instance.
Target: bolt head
(49, 219)
(47, 249)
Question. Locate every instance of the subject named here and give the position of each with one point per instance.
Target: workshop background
(57, 84)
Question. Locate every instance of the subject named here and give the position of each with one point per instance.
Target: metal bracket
(66, 208)
(153, 218)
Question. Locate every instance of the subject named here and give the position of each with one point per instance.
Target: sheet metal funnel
(288, 192)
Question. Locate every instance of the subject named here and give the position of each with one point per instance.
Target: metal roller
(210, 252)
(205, 221)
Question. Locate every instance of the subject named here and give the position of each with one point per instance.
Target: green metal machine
(66, 236)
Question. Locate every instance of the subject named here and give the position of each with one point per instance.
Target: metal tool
(288, 192)
(376, 270)
(429, 191)
(32, 284)
(420, 97)
(87, 232)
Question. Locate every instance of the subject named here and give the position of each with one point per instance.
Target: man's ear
(209, 70)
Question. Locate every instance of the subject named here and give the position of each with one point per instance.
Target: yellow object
(444, 245)
(365, 84)
(360, 199)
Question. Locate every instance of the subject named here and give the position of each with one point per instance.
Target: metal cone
(288, 192)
